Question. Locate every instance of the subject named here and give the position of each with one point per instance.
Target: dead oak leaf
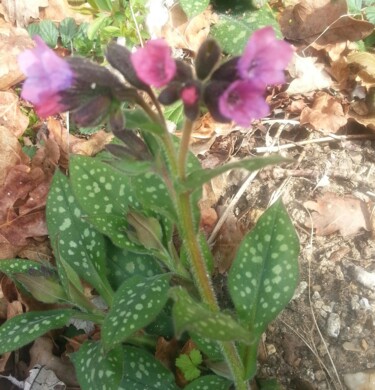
(322, 22)
(11, 116)
(20, 12)
(325, 114)
(332, 213)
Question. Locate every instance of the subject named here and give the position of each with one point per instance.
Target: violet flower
(265, 58)
(47, 76)
(154, 64)
(243, 102)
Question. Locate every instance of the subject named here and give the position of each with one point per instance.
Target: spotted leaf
(136, 304)
(124, 264)
(104, 194)
(24, 328)
(264, 273)
(143, 372)
(73, 239)
(193, 8)
(209, 347)
(189, 315)
(209, 382)
(22, 266)
(97, 369)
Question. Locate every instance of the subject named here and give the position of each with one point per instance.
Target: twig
(329, 138)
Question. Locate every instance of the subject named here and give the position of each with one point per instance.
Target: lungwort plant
(126, 222)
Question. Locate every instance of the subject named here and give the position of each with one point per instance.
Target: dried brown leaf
(11, 116)
(12, 42)
(332, 213)
(93, 145)
(325, 114)
(322, 22)
(21, 12)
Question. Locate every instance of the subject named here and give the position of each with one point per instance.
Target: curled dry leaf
(181, 33)
(325, 114)
(307, 75)
(332, 213)
(322, 22)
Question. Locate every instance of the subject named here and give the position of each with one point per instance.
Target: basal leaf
(22, 266)
(189, 315)
(49, 33)
(96, 368)
(143, 372)
(24, 328)
(68, 29)
(209, 382)
(198, 177)
(264, 273)
(73, 239)
(194, 7)
(136, 304)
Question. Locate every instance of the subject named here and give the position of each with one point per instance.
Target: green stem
(96, 318)
(184, 148)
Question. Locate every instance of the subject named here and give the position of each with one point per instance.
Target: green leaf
(189, 315)
(33, 29)
(104, 5)
(175, 113)
(209, 347)
(68, 29)
(209, 382)
(49, 33)
(370, 14)
(24, 328)
(96, 368)
(143, 372)
(188, 364)
(104, 195)
(194, 7)
(123, 264)
(268, 384)
(95, 26)
(354, 6)
(234, 30)
(22, 266)
(73, 239)
(264, 273)
(198, 177)
(136, 304)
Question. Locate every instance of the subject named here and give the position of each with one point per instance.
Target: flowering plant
(114, 221)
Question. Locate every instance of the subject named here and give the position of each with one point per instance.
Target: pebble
(271, 349)
(300, 290)
(367, 279)
(360, 380)
(333, 325)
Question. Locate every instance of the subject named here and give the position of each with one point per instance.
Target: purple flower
(265, 58)
(47, 76)
(243, 102)
(154, 64)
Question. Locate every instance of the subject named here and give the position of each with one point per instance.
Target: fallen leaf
(326, 114)
(58, 10)
(11, 153)
(366, 63)
(181, 33)
(11, 116)
(365, 120)
(93, 145)
(332, 213)
(307, 75)
(322, 22)
(20, 12)
(41, 354)
(13, 41)
(167, 351)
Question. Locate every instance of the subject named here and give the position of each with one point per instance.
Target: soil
(326, 331)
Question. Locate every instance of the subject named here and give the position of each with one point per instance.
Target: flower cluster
(232, 91)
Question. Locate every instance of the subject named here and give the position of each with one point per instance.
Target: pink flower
(47, 75)
(264, 58)
(243, 102)
(154, 64)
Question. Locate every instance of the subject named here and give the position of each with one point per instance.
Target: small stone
(355, 302)
(364, 304)
(319, 304)
(364, 344)
(351, 346)
(327, 308)
(271, 349)
(360, 380)
(333, 325)
(300, 290)
(320, 375)
(315, 296)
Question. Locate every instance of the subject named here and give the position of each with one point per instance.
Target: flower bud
(207, 58)
(170, 94)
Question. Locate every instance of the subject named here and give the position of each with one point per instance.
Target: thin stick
(330, 138)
